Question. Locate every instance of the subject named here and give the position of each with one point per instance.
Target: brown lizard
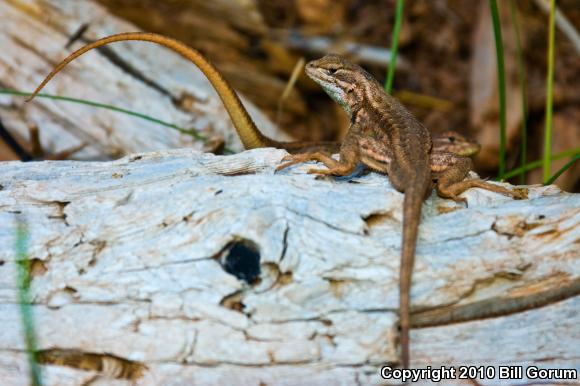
(245, 127)
(387, 138)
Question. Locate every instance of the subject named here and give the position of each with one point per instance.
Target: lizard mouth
(314, 72)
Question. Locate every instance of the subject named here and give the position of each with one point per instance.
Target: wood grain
(134, 254)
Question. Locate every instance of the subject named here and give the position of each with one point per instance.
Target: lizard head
(339, 77)
(453, 142)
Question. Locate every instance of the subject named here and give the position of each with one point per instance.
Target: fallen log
(178, 267)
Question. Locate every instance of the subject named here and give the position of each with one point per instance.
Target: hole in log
(242, 259)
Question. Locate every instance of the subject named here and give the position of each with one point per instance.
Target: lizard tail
(249, 134)
(414, 196)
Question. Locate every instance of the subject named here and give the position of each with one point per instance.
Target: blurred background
(446, 68)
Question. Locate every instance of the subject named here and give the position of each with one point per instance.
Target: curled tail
(249, 134)
(414, 196)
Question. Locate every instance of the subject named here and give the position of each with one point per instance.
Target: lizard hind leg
(450, 178)
(459, 187)
(448, 170)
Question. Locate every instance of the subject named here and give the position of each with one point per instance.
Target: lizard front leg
(349, 157)
(449, 171)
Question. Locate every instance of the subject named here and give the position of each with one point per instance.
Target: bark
(140, 266)
(178, 267)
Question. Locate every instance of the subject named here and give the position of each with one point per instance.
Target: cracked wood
(130, 258)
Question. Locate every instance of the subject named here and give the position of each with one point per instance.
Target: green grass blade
(501, 85)
(394, 46)
(539, 163)
(523, 89)
(193, 133)
(562, 170)
(182, 130)
(549, 94)
(24, 299)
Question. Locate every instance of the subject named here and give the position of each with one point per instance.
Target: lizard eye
(451, 139)
(331, 71)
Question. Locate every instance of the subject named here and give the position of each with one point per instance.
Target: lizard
(245, 127)
(387, 138)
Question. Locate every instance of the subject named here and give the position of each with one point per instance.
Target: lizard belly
(375, 154)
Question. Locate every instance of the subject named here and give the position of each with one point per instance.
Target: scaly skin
(386, 137)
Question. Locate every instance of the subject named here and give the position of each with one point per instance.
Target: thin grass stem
(539, 163)
(552, 179)
(523, 89)
(549, 95)
(24, 299)
(146, 117)
(394, 46)
(501, 85)
(192, 133)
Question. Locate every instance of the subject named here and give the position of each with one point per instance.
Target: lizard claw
(291, 159)
(460, 200)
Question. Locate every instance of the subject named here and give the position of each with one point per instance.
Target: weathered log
(141, 267)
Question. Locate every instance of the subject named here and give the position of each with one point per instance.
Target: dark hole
(242, 259)
(452, 139)
(218, 192)
(2, 262)
(541, 217)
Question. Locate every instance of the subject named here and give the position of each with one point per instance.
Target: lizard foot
(293, 159)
